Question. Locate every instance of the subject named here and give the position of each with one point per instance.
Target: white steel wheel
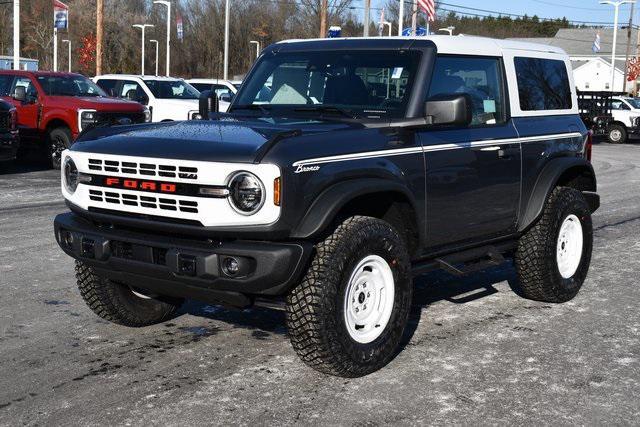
(569, 246)
(615, 135)
(369, 298)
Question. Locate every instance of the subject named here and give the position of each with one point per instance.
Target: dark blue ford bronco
(343, 169)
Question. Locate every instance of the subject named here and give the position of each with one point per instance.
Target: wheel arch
(574, 172)
(374, 197)
(55, 123)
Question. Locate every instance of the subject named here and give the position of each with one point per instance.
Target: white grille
(143, 169)
(149, 202)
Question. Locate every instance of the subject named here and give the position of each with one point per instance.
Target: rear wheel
(617, 134)
(59, 140)
(120, 303)
(553, 257)
(347, 316)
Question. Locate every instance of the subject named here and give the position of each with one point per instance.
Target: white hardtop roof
(463, 45)
(139, 76)
(204, 80)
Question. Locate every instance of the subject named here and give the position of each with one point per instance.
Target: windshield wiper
(327, 109)
(263, 108)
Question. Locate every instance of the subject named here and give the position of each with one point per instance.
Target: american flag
(596, 44)
(429, 8)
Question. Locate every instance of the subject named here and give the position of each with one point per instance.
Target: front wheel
(553, 257)
(617, 134)
(59, 140)
(348, 315)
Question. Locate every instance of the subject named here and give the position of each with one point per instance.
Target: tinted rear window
(543, 84)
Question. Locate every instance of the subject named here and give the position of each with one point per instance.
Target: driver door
(27, 110)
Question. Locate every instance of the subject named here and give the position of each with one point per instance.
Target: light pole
(16, 34)
(68, 42)
(616, 5)
(142, 27)
(401, 18)
(257, 43)
(156, 43)
(168, 4)
(226, 40)
(389, 24)
(448, 30)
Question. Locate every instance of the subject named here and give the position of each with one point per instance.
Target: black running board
(466, 262)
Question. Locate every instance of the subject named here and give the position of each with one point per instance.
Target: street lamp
(142, 27)
(68, 42)
(226, 40)
(389, 24)
(616, 5)
(448, 29)
(16, 34)
(257, 43)
(156, 43)
(168, 4)
(401, 18)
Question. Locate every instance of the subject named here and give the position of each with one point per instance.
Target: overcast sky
(579, 10)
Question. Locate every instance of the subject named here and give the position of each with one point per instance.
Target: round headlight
(246, 193)
(70, 172)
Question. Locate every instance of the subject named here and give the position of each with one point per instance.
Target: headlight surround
(246, 193)
(86, 119)
(147, 114)
(70, 174)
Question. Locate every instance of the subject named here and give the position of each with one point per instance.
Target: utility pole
(626, 57)
(55, 49)
(367, 17)
(226, 40)
(99, 34)
(401, 18)
(16, 34)
(414, 18)
(323, 18)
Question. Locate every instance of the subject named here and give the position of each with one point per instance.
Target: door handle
(491, 148)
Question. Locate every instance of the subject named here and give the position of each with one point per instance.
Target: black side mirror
(449, 110)
(226, 97)
(208, 103)
(20, 94)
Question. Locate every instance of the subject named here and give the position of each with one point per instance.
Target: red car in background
(53, 108)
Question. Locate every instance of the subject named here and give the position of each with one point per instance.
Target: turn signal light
(589, 146)
(276, 191)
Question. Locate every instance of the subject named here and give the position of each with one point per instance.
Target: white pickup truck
(626, 119)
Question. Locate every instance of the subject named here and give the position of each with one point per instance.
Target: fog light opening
(230, 266)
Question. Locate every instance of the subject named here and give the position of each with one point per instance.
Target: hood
(228, 140)
(95, 103)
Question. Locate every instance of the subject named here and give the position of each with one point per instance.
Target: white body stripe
(430, 148)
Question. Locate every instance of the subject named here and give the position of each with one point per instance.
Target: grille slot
(148, 202)
(144, 169)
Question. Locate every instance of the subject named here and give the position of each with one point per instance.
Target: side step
(466, 262)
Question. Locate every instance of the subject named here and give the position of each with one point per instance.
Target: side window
(479, 77)
(221, 90)
(108, 85)
(32, 92)
(5, 85)
(132, 90)
(543, 84)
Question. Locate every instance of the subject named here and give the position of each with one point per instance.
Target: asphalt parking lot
(475, 353)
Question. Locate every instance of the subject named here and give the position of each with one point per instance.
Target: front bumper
(9, 142)
(189, 268)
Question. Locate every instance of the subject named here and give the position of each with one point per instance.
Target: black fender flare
(548, 180)
(326, 206)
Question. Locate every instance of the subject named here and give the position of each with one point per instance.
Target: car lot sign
(335, 31)
(60, 15)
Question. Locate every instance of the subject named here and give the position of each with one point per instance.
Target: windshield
(356, 84)
(634, 102)
(172, 89)
(69, 86)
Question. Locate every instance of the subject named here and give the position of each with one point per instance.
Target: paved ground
(475, 352)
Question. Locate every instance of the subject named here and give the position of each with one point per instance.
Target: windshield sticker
(397, 72)
(489, 106)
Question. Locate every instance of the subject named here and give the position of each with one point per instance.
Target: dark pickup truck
(369, 162)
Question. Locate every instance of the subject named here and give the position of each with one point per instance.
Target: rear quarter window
(543, 84)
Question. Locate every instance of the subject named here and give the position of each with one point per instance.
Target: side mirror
(449, 110)
(208, 103)
(20, 94)
(131, 95)
(226, 97)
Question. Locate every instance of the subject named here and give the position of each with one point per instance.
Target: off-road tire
(315, 308)
(613, 130)
(539, 277)
(59, 140)
(117, 303)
